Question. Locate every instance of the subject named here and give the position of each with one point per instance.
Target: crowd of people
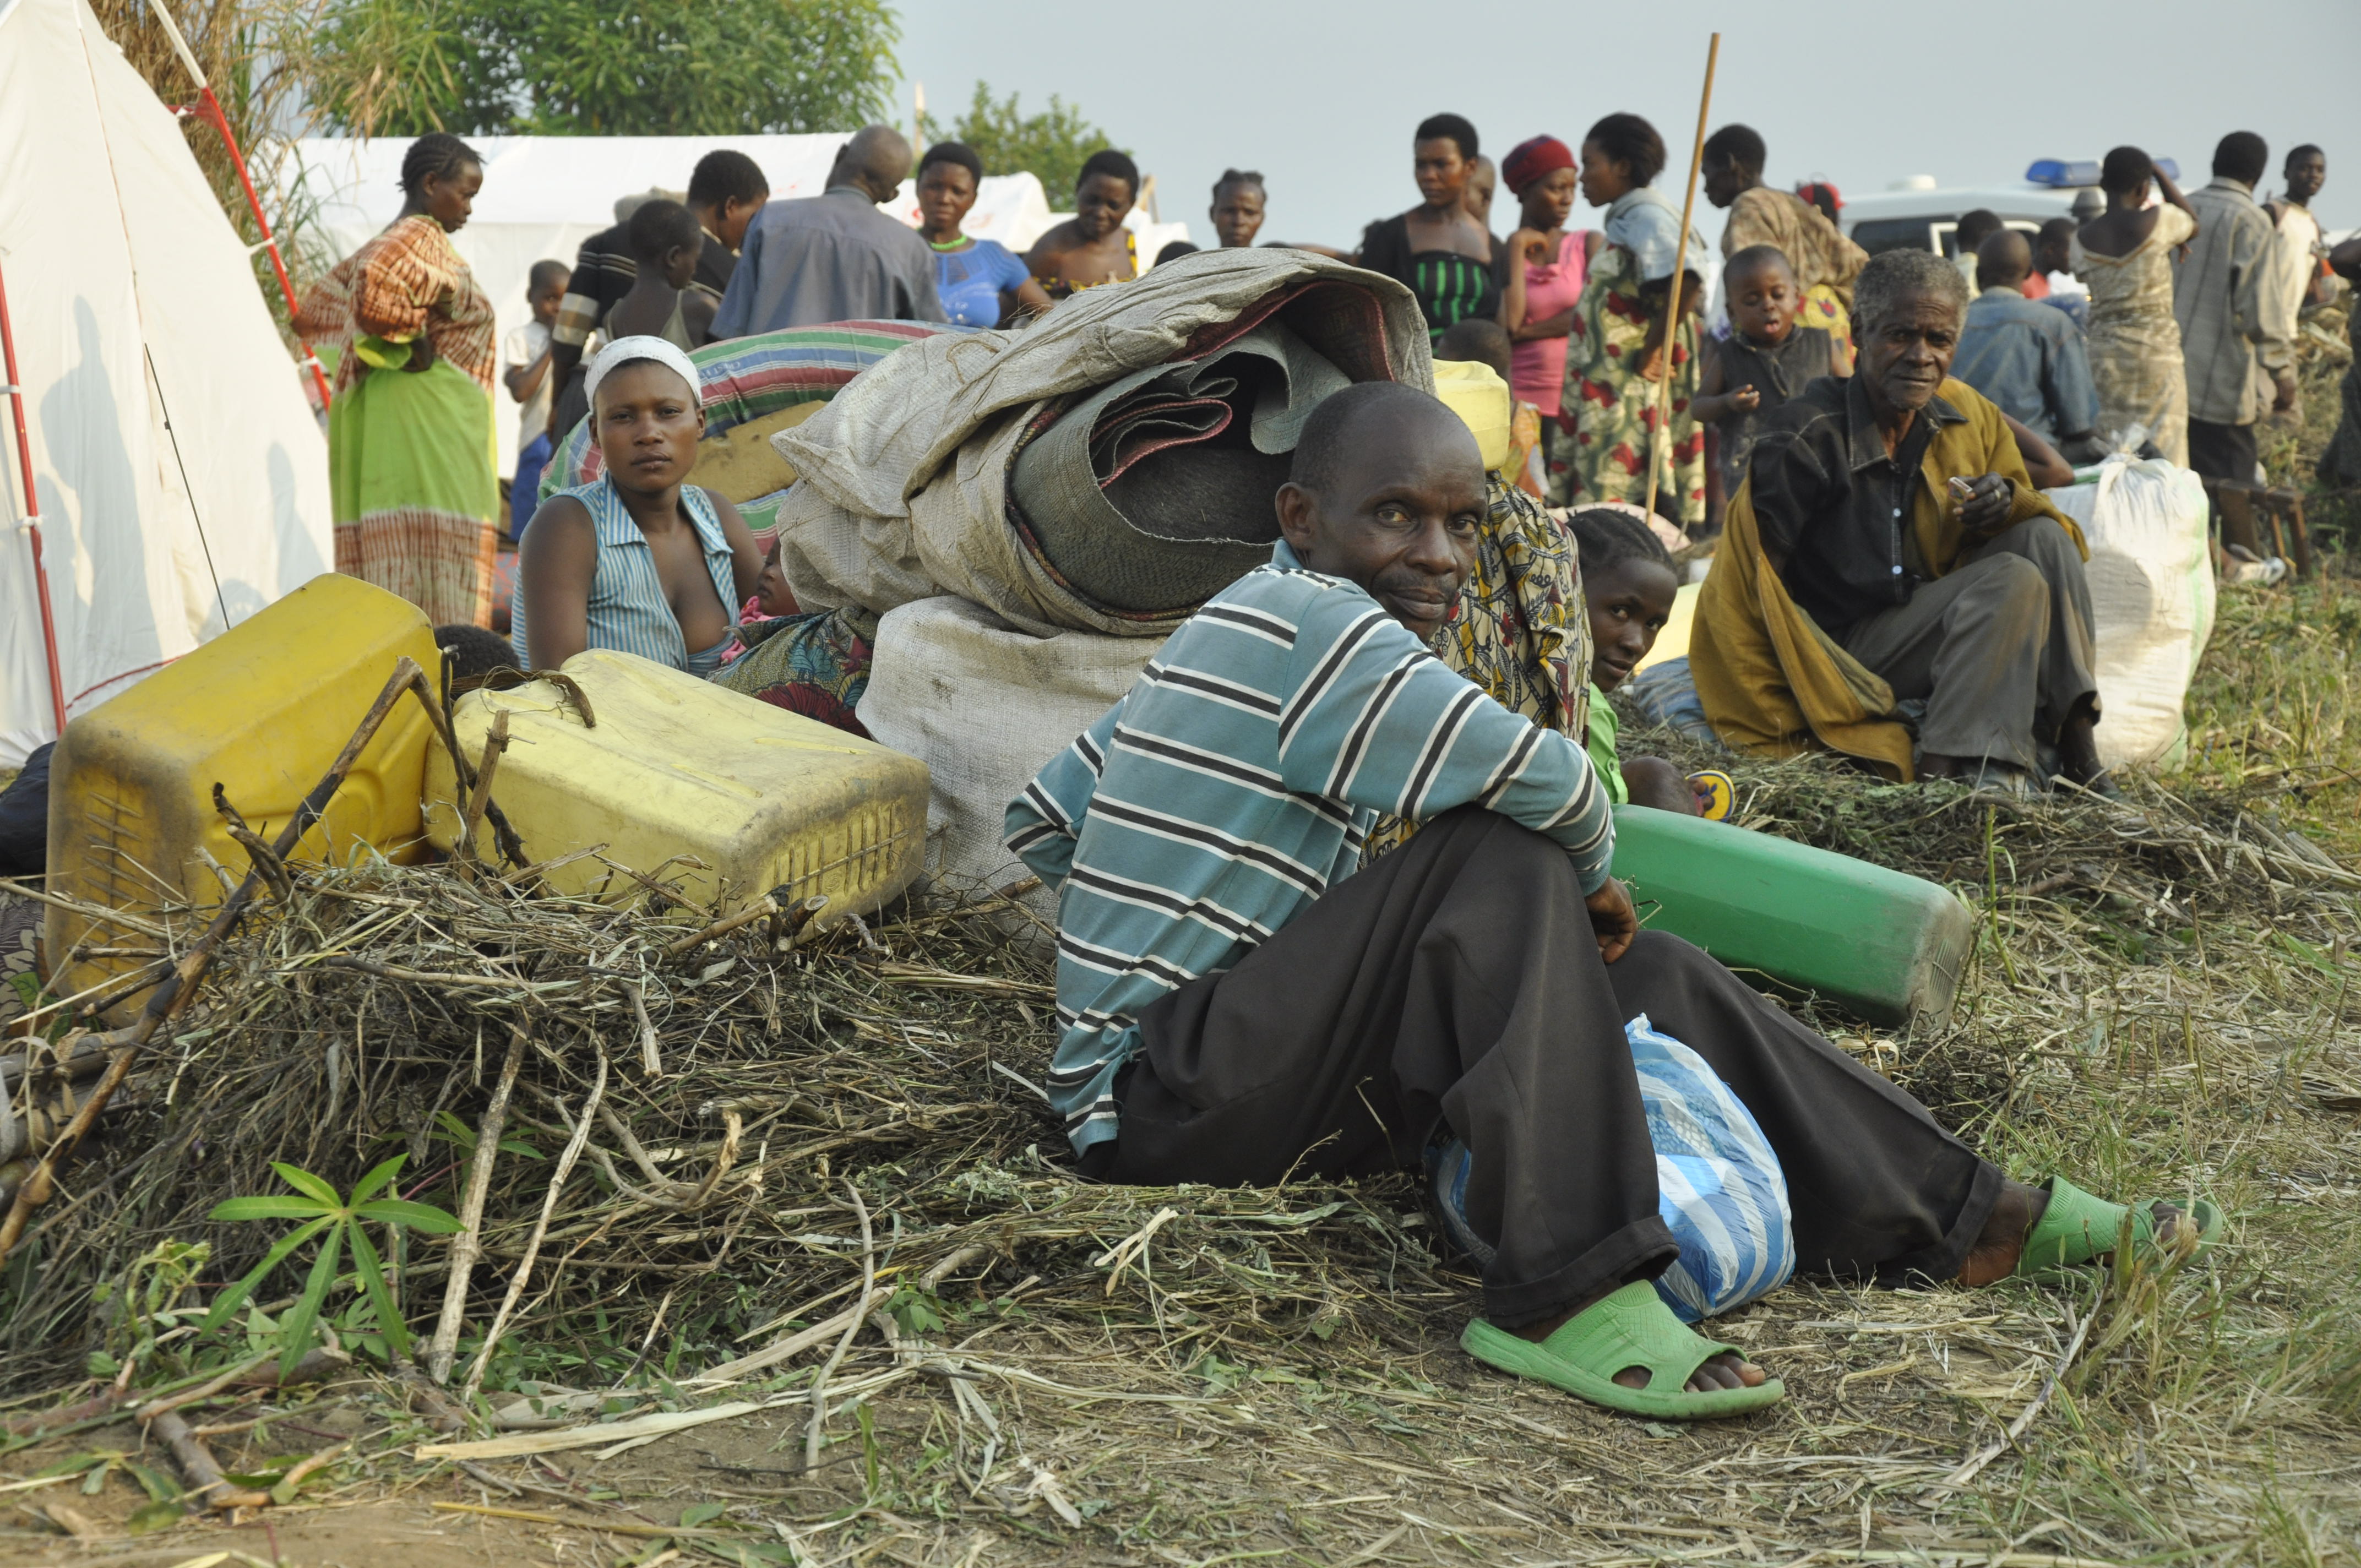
(1334, 877)
(2160, 322)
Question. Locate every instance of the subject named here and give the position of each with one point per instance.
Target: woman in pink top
(1538, 308)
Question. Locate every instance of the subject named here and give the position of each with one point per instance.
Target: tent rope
(187, 488)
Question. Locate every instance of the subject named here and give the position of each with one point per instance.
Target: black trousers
(2223, 451)
(1458, 978)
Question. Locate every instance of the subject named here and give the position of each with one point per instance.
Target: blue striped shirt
(1235, 783)
(629, 611)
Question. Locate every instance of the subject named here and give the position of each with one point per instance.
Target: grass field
(2162, 1001)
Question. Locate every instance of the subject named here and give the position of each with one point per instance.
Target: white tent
(181, 477)
(543, 196)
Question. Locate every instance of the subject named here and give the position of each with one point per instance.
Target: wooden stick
(197, 1463)
(495, 743)
(1680, 265)
(468, 1245)
(170, 999)
(853, 1317)
(573, 1152)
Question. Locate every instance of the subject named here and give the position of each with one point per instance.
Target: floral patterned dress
(1613, 407)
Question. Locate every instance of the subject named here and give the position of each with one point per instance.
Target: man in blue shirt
(1238, 1004)
(834, 257)
(2027, 358)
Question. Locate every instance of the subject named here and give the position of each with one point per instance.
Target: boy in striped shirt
(1238, 1003)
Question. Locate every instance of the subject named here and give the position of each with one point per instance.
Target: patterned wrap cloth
(413, 490)
(1521, 631)
(1612, 407)
(2135, 341)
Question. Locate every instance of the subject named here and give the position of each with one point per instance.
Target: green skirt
(413, 488)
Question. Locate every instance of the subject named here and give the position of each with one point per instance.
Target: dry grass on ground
(2161, 1001)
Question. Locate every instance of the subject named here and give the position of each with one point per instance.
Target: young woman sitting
(1627, 582)
(636, 561)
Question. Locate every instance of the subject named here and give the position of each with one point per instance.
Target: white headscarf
(627, 350)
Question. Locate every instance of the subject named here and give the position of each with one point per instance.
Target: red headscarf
(1535, 159)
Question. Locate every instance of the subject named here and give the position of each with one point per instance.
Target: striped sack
(1719, 1186)
(744, 379)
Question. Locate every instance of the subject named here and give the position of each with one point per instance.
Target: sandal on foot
(1631, 1327)
(2076, 1228)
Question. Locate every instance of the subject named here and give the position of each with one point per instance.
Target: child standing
(524, 366)
(666, 241)
(1767, 359)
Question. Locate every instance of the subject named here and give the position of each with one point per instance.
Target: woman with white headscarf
(636, 560)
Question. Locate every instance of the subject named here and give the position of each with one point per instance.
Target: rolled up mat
(1154, 493)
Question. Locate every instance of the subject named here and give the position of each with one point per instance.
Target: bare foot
(2078, 746)
(2002, 1241)
(1728, 1370)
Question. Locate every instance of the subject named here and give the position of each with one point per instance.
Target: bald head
(877, 159)
(1370, 424)
(2003, 261)
(1387, 491)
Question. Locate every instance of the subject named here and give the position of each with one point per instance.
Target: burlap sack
(905, 475)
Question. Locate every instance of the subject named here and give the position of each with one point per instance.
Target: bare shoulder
(1057, 242)
(561, 527)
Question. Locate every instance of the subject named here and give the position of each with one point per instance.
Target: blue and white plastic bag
(1719, 1186)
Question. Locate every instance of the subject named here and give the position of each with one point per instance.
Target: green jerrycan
(1888, 947)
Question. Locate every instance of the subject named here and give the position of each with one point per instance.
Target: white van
(1918, 214)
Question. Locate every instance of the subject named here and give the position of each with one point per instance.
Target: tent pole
(211, 111)
(32, 523)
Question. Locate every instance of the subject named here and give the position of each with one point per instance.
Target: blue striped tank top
(627, 610)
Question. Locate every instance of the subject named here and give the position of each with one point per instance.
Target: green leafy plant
(1052, 145)
(143, 1303)
(338, 1224)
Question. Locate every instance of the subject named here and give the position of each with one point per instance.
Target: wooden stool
(2242, 509)
(2286, 505)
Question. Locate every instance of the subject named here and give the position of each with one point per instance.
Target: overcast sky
(1323, 97)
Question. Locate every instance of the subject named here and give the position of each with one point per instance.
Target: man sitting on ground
(1889, 545)
(2027, 358)
(1239, 1004)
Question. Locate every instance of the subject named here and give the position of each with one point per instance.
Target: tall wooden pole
(1658, 437)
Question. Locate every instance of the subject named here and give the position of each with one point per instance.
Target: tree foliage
(401, 68)
(1052, 144)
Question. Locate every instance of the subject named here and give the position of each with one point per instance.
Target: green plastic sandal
(1631, 1327)
(2077, 1228)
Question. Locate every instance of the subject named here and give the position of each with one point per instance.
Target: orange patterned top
(407, 280)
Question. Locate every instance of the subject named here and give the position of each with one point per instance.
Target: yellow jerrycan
(262, 711)
(726, 798)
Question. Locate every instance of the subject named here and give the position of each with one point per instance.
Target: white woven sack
(986, 706)
(2151, 576)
